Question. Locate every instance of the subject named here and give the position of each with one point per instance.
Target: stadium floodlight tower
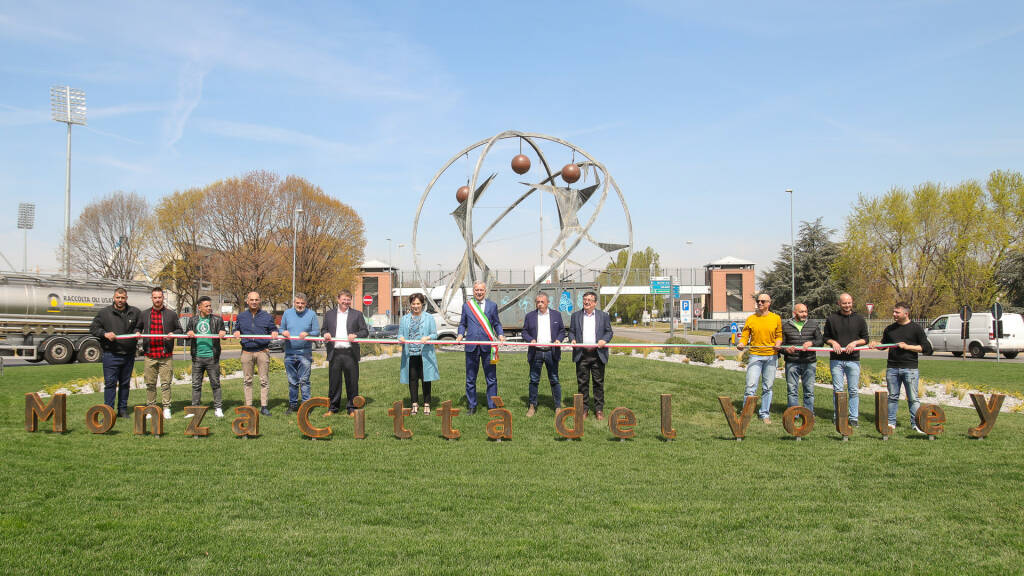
(26, 221)
(68, 106)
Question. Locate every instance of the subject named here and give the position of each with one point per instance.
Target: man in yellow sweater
(763, 333)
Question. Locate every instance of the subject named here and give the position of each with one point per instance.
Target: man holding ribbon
(480, 322)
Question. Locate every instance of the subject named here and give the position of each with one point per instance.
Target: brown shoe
(600, 416)
(329, 413)
(766, 420)
(531, 411)
(352, 414)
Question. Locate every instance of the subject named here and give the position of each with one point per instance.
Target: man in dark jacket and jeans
(206, 353)
(118, 355)
(159, 352)
(798, 334)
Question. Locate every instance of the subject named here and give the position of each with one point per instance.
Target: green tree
(631, 307)
(815, 258)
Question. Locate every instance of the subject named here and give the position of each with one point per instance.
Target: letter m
(35, 411)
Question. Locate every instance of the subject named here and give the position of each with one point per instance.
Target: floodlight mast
(26, 221)
(67, 105)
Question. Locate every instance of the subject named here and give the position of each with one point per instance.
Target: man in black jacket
(206, 353)
(118, 355)
(159, 352)
(798, 334)
(343, 325)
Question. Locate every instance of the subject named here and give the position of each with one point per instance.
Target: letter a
(501, 427)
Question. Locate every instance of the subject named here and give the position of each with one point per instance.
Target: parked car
(723, 337)
(944, 335)
(388, 331)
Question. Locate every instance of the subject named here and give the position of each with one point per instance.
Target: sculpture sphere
(520, 164)
(570, 173)
(462, 193)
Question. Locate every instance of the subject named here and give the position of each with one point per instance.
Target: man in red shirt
(159, 351)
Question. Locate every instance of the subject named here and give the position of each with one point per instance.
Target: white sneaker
(167, 413)
(149, 416)
(189, 415)
(218, 413)
(918, 430)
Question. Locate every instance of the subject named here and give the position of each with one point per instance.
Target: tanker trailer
(48, 317)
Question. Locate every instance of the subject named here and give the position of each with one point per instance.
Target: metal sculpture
(568, 201)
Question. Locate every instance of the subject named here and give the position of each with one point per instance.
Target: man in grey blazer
(344, 325)
(590, 326)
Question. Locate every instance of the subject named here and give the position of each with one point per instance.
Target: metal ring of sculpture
(568, 202)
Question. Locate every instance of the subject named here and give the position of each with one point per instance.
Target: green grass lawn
(986, 375)
(84, 504)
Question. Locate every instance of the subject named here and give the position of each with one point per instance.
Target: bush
(276, 365)
(822, 374)
(230, 365)
(703, 355)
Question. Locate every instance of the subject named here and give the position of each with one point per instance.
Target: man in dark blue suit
(342, 325)
(543, 326)
(590, 326)
(480, 322)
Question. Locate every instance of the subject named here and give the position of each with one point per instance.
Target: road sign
(997, 311)
(368, 300)
(871, 308)
(734, 327)
(685, 312)
(659, 284)
(965, 313)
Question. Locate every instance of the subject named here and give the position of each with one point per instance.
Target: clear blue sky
(704, 115)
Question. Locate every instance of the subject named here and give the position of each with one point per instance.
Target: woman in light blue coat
(419, 361)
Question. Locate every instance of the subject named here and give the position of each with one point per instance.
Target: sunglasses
(763, 301)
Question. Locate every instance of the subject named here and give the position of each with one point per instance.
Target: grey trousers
(212, 369)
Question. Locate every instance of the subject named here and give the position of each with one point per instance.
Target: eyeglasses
(763, 301)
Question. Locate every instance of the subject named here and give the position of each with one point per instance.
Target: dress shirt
(544, 328)
(342, 330)
(590, 328)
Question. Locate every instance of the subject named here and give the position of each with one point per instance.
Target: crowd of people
(845, 332)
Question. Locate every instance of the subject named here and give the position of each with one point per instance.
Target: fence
(611, 277)
(875, 326)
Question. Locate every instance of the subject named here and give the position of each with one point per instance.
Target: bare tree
(109, 236)
(330, 247)
(179, 249)
(243, 216)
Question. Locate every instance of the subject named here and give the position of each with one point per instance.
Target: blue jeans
(905, 377)
(798, 373)
(848, 370)
(545, 358)
(761, 368)
(473, 360)
(297, 366)
(117, 379)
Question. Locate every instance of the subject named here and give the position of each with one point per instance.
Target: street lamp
(26, 221)
(295, 241)
(67, 105)
(401, 309)
(792, 251)
(693, 317)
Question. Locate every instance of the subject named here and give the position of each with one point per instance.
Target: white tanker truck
(48, 317)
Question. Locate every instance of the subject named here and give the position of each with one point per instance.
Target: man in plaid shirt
(159, 351)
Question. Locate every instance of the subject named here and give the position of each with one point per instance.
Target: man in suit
(590, 326)
(480, 322)
(344, 325)
(543, 326)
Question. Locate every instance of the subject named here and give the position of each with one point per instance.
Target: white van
(944, 334)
